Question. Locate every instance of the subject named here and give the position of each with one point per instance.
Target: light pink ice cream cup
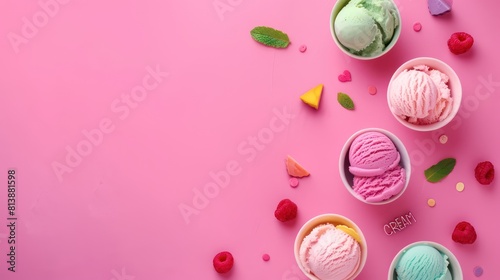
(348, 178)
(334, 219)
(453, 83)
(454, 266)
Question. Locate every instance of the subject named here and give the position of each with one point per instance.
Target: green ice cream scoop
(366, 27)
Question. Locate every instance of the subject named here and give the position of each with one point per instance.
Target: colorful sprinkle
(478, 271)
(443, 139)
(372, 90)
(417, 26)
(431, 202)
(303, 48)
(266, 257)
(294, 182)
(460, 186)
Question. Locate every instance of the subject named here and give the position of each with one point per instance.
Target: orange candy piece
(294, 169)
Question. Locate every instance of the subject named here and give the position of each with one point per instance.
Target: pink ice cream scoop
(371, 154)
(420, 95)
(444, 102)
(382, 187)
(330, 253)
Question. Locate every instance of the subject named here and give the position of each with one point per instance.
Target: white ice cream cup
(347, 177)
(334, 219)
(335, 11)
(454, 266)
(453, 83)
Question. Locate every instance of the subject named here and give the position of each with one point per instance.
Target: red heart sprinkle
(345, 77)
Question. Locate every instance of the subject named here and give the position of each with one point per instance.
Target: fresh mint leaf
(440, 170)
(345, 101)
(270, 37)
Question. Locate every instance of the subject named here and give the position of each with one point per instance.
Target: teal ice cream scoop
(423, 262)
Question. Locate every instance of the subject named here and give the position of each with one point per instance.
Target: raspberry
(286, 210)
(484, 172)
(460, 42)
(223, 262)
(464, 233)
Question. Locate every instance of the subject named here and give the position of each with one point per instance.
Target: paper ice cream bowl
(454, 265)
(453, 83)
(339, 4)
(347, 178)
(334, 219)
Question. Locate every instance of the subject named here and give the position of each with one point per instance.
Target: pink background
(114, 214)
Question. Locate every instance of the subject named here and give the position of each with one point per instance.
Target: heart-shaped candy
(345, 76)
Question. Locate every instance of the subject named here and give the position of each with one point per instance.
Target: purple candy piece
(478, 271)
(439, 7)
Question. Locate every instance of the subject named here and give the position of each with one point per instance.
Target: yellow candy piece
(313, 96)
(350, 231)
